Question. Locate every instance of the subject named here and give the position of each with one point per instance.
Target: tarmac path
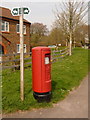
(75, 105)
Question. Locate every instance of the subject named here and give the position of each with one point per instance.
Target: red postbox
(41, 73)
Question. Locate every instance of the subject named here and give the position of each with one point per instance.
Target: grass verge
(67, 74)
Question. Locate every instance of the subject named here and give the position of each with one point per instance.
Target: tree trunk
(70, 45)
(66, 43)
(74, 44)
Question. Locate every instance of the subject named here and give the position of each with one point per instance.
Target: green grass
(67, 74)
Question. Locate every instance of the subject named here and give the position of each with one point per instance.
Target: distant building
(10, 33)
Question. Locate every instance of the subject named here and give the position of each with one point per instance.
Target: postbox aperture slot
(47, 58)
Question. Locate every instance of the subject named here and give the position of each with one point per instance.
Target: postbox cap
(41, 48)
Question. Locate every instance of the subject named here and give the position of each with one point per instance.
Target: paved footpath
(74, 106)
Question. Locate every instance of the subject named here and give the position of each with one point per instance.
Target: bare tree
(39, 28)
(70, 19)
(56, 36)
(38, 31)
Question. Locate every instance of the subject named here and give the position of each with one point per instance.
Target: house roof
(6, 13)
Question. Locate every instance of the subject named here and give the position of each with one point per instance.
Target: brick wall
(14, 37)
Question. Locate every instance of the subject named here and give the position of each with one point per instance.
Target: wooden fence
(13, 60)
(56, 55)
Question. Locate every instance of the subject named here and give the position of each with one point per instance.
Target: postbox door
(47, 67)
(46, 71)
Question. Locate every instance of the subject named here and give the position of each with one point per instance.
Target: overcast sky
(40, 10)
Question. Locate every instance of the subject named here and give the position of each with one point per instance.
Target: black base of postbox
(41, 97)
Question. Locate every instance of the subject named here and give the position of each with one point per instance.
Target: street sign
(25, 10)
(17, 11)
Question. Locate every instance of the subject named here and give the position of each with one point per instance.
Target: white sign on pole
(17, 11)
(25, 10)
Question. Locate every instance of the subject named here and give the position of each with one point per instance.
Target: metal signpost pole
(21, 57)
